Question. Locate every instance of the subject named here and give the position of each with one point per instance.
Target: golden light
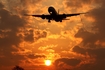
(47, 62)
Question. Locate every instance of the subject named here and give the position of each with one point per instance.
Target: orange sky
(72, 44)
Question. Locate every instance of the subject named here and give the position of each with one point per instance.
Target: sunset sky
(70, 45)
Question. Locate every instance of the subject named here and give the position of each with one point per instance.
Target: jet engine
(64, 15)
(43, 16)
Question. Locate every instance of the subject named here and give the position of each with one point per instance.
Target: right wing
(75, 14)
(69, 15)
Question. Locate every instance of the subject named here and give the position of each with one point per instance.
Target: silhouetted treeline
(17, 68)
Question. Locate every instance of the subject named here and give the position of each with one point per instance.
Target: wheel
(60, 20)
(49, 21)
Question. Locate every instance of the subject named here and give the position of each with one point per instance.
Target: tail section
(58, 11)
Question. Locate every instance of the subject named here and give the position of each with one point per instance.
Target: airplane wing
(69, 15)
(41, 16)
(75, 14)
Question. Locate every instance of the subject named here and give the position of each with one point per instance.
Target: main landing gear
(49, 21)
(60, 20)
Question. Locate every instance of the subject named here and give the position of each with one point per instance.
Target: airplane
(54, 15)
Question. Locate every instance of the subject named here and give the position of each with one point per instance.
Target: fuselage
(52, 11)
(54, 14)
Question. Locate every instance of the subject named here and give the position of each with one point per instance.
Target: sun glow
(47, 62)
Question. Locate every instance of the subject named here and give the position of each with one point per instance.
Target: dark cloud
(13, 31)
(1, 6)
(10, 60)
(11, 35)
(29, 2)
(34, 56)
(29, 36)
(88, 44)
(80, 3)
(76, 4)
(60, 63)
(9, 29)
(77, 49)
(98, 15)
(40, 34)
(91, 38)
(97, 54)
(21, 6)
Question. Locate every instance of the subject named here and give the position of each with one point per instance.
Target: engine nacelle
(64, 15)
(43, 16)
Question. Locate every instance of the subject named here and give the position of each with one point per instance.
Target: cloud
(72, 62)
(34, 35)
(80, 3)
(89, 37)
(12, 34)
(21, 6)
(33, 56)
(66, 63)
(97, 54)
(40, 34)
(9, 28)
(29, 36)
(89, 41)
(18, 38)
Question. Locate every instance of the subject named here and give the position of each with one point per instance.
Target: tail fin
(58, 11)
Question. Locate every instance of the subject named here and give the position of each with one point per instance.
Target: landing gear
(60, 20)
(49, 21)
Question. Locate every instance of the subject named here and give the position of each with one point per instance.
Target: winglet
(27, 15)
(84, 13)
(58, 11)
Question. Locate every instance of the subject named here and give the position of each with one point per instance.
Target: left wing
(41, 16)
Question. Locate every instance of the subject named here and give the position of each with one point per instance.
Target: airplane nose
(50, 9)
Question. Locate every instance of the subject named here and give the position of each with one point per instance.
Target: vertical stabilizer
(58, 11)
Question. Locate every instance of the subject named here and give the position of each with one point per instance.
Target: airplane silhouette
(54, 15)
